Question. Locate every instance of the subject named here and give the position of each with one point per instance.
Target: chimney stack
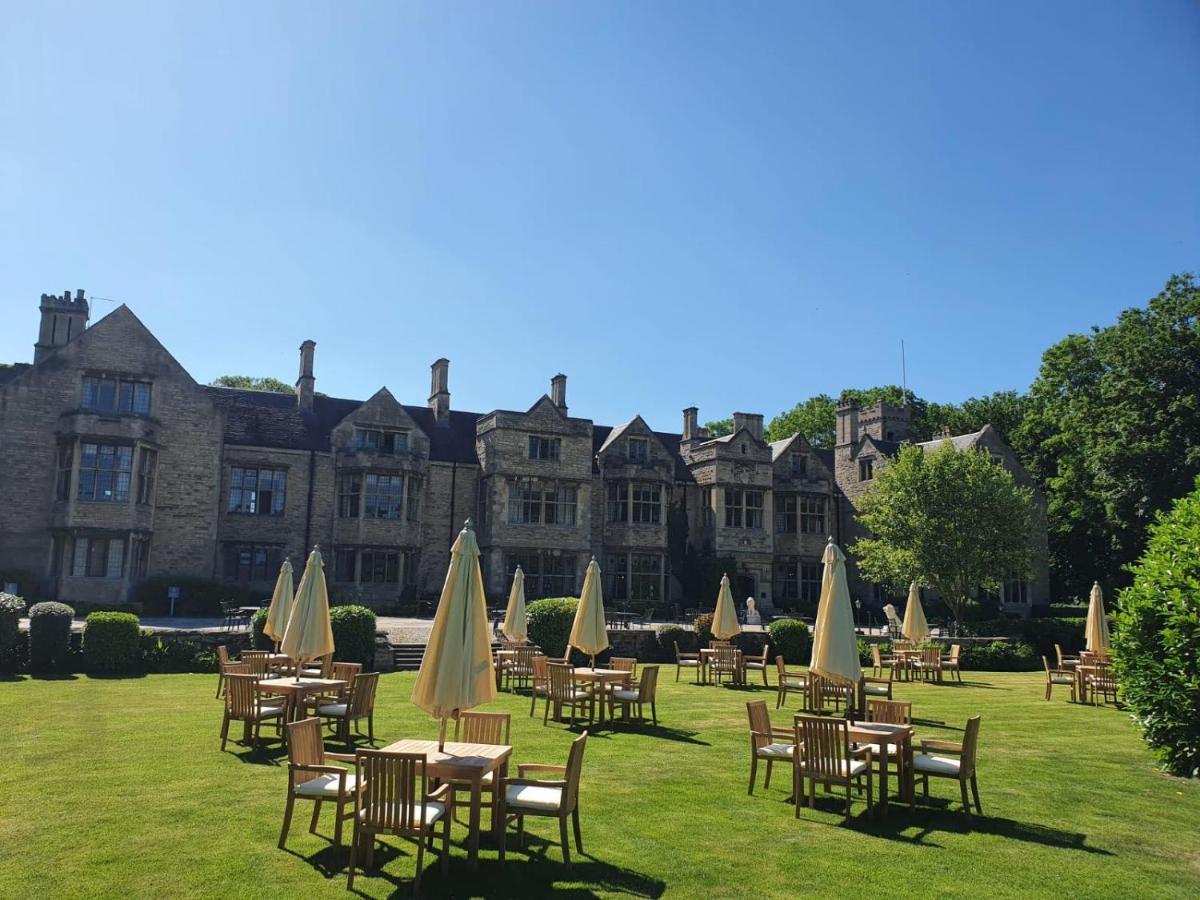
(752, 422)
(306, 384)
(63, 318)
(558, 391)
(690, 431)
(439, 390)
(847, 422)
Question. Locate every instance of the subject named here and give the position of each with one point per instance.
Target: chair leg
(653, 713)
(566, 846)
(287, 817)
(420, 861)
(767, 780)
(975, 794)
(316, 816)
(354, 840)
(578, 832)
(966, 802)
(340, 814)
(446, 845)
(1047, 690)
(224, 730)
(753, 770)
(371, 728)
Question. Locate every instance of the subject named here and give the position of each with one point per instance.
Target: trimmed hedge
(259, 639)
(354, 635)
(792, 640)
(1041, 633)
(1000, 656)
(549, 622)
(112, 644)
(50, 637)
(11, 610)
(1156, 641)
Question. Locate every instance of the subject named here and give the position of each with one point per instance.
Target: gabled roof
(960, 441)
(614, 434)
(884, 448)
(669, 440)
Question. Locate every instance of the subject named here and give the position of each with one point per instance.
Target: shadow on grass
(533, 871)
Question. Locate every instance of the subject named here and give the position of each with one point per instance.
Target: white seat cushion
(527, 796)
(756, 665)
(689, 662)
(332, 709)
(792, 683)
(936, 765)
(880, 689)
(857, 767)
(269, 712)
(777, 751)
(432, 813)
(325, 786)
(625, 694)
(892, 749)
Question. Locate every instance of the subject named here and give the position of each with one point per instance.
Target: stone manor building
(118, 466)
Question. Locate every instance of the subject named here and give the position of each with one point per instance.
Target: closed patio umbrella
(308, 634)
(589, 632)
(457, 671)
(915, 627)
(835, 643)
(281, 604)
(1097, 623)
(725, 624)
(514, 627)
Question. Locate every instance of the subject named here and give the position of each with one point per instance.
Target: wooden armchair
(338, 671)
(823, 697)
(481, 728)
(359, 705)
(1065, 662)
(520, 670)
(788, 681)
(932, 762)
(823, 753)
(756, 664)
(929, 663)
(766, 742)
(392, 796)
(1101, 681)
(879, 687)
(565, 691)
(686, 661)
(540, 685)
(257, 661)
(243, 704)
(625, 664)
(310, 778)
(1058, 676)
(223, 661)
(726, 663)
(879, 662)
(555, 798)
(644, 693)
(320, 667)
(889, 712)
(952, 661)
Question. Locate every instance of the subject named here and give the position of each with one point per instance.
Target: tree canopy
(251, 383)
(953, 520)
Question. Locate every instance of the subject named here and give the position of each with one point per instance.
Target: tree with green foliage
(1112, 432)
(1003, 410)
(250, 383)
(719, 427)
(953, 520)
(1156, 642)
(815, 419)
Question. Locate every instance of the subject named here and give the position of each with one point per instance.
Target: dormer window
(866, 469)
(637, 450)
(376, 440)
(544, 447)
(115, 395)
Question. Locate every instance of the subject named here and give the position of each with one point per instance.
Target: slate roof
(9, 372)
(600, 435)
(960, 441)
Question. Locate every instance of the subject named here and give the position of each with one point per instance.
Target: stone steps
(407, 657)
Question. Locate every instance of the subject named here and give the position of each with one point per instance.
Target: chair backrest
(1103, 675)
(1086, 658)
(955, 650)
(327, 665)
(891, 712)
(240, 697)
(780, 666)
(222, 655)
(344, 671)
(1046, 665)
(931, 657)
(969, 744)
(541, 669)
(483, 727)
(624, 664)
(902, 645)
(762, 657)
(760, 722)
(648, 685)
(826, 744)
(394, 787)
(562, 682)
(523, 661)
(256, 660)
(727, 657)
(574, 767)
(237, 668)
(876, 659)
(678, 652)
(1058, 652)
(362, 694)
(713, 645)
(306, 746)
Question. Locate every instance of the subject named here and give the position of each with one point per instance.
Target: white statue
(752, 616)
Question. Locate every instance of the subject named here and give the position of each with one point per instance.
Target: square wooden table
(881, 734)
(604, 678)
(294, 690)
(469, 763)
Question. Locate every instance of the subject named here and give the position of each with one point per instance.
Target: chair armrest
(538, 767)
(341, 757)
(944, 746)
(534, 782)
(863, 751)
(870, 679)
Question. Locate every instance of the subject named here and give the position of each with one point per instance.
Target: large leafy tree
(814, 418)
(719, 427)
(953, 520)
(250, 383)
(1112, 431)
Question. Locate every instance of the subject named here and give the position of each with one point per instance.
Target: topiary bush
(112, 643)
(11, 610)
(1156, 639)
(259, 639)
(549, 622)
(354, 635)
(703, 628)
(791, 639)
(1000, 656)
(49, 637)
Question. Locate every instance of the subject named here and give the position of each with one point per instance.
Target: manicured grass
(117, 788)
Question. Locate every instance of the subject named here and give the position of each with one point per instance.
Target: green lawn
(117, 788)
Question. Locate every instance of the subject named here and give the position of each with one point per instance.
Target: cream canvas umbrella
(457, 671)
(1097, 622)
(308, 634)
(514, 627)
(725, 624)
(835, 643)
(589, 633)
(915, 627)
(281, 604)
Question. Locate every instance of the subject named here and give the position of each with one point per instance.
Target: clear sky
(733, 205)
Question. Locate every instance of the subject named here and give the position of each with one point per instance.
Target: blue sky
(728, 205)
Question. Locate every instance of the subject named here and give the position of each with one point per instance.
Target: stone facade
(119, 466)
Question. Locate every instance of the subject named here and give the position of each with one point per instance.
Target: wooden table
(467, 762)
(603, 678)
(294, 690)
(881, 734)
(708, 654)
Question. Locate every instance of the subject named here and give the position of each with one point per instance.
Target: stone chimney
(690, 429)
(558, 391)
(63, 318)
(752, 422)
(847, 423)
(439, 390)
(306, 384)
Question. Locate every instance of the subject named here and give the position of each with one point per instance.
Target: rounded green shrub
(791, 639)
(1000, 656)
(549, 623)
(703, 628)
(1156, 639)
(111, 643)
(353, 635)
(49, 637)
(11, 610)
(259, 639)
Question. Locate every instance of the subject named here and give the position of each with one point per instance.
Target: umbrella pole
(442, 736)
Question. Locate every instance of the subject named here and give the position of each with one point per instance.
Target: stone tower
(62, 319)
